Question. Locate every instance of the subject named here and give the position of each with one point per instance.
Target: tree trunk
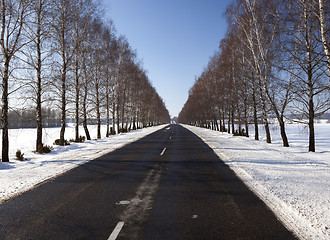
(283, 134)
(98, 114)
(265, 119)
(63, 83)
(113, 117)
(134, 126)
(228, 130)
(129, 127)
(311, 146)
(264, 111)
(268, 137)
(279, 118)
(246, 122)
(77, 98)
(85, 112)
(223, 119)
(122, 118)
(246, 117)
(108, 109)
(220, 122)
(88, 136)
(216, 124)
(63, 104)
(325, 43)
(117, 113)
(309, 51)
(4, 117)
(239, 122)
(39, 144)
(232, 120)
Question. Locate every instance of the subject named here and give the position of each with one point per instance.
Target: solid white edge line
(163, 152)
(116, 231)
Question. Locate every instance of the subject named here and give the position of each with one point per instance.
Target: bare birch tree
(13, 17)
(36, 53)
(312, 98)
(83, 11)
(63, 27)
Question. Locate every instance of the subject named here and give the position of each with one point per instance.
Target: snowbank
(295, 184)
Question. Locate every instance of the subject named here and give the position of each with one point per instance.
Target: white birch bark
(325, 42)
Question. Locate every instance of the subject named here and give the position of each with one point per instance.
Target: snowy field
(17, 177)
(294, 183)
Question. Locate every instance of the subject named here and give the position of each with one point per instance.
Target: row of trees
(62, 54)
(274, 61)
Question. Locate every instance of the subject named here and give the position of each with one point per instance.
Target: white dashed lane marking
(116, 231)
(162, 153)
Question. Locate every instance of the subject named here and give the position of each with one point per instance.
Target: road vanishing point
(167, 185)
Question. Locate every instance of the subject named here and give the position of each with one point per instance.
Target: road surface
(168, 185)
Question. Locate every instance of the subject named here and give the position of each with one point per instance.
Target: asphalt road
(168, 185)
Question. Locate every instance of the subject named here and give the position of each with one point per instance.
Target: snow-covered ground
(17, 177)
(294, 183)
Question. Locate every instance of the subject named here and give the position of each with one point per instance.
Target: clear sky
(173, 38)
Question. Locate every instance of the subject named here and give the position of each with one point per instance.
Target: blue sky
(173, 38)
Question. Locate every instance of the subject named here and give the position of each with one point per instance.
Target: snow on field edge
(292, 182)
